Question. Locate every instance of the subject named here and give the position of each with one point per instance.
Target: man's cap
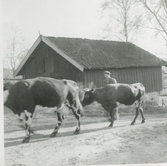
(107, 72)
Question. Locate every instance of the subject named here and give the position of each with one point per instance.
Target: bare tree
(121, 20)
(15, 48)
(157, 16)
(166, 3)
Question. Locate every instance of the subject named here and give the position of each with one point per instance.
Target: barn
(85, 60)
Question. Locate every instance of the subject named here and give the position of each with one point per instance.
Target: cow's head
(87, 96)
(6, 86)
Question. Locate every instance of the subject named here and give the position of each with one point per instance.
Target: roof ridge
(89, 39)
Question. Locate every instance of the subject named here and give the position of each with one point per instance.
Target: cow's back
(124, 93)
(48, 92)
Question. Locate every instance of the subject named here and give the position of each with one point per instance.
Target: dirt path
(96, 145)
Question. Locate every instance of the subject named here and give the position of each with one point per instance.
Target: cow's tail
(79, 106)
(142, 93)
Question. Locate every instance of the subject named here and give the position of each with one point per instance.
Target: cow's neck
(97, 97)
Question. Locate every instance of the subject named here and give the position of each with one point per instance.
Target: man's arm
(112, 81)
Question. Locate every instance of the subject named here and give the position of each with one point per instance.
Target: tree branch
(154, 14)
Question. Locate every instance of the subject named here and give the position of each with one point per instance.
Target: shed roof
(101, 54)
(97, 54)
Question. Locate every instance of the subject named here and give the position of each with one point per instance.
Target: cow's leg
(137, 113)
(138, 108)
(141, 111)
(28, 123)
(142, 115)
(77, 115)
(59, 116)
(116, 116)
(137, 104)
(21, 118)
(112, 113)
(76, 111)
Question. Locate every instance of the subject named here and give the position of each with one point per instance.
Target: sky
(64, 18)
(79, 18)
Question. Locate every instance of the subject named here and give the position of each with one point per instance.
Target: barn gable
(51, 45)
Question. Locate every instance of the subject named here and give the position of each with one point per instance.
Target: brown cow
(24, 95)
(110, 95)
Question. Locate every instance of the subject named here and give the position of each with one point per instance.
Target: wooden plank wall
(35, 64)
(151, 77)
(46, 62)
(66, 69)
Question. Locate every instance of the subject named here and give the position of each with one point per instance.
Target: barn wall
(150, 77)
(64, 68)
(46, 62)
(35, 64)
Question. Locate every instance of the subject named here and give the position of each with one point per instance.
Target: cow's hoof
(76, 131)
(53, 135)
(132, 123)
(31, 131)
(143, 121)
(111, 125)
(26, 140)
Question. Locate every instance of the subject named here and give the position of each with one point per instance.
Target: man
(110, 80)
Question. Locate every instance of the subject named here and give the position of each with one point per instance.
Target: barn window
(49, 66)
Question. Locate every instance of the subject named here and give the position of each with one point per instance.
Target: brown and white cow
(23, 96)
(111, 95)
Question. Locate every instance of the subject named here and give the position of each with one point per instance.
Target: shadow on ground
(43, 137)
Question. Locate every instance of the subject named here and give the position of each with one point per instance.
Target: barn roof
(98, 54)
(101, 54)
